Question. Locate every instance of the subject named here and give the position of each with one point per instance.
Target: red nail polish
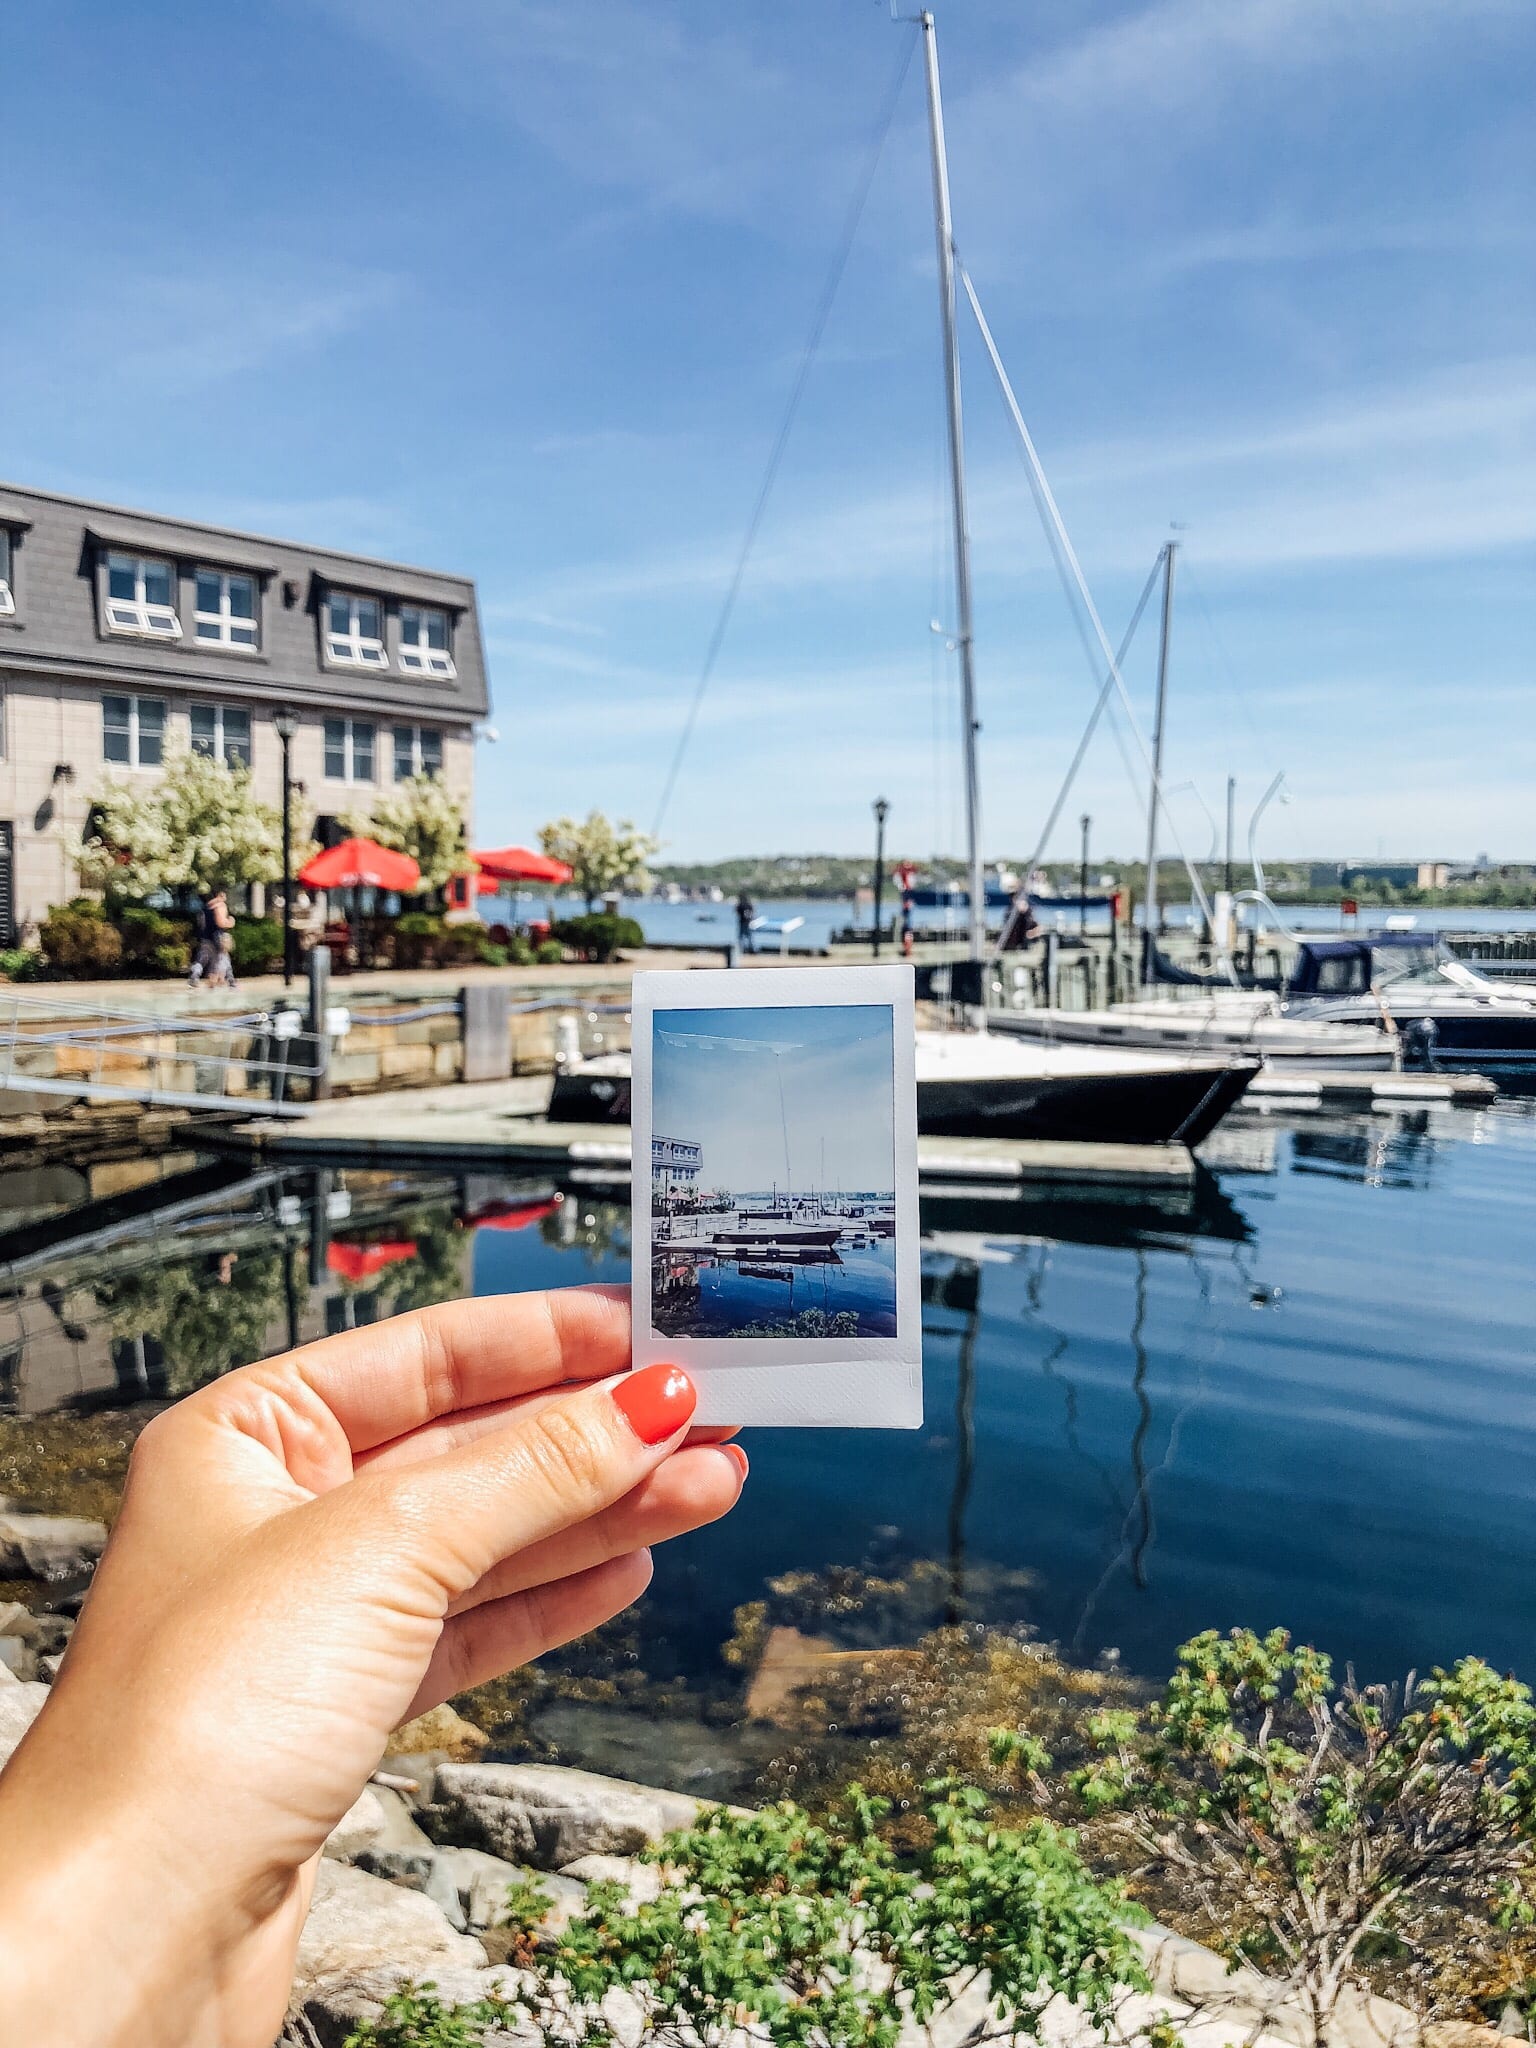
(734, 1451)
(656, 1402)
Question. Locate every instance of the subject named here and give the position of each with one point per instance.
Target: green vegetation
(197, 826)
(418, 2018)
(18, 964)
(79, 943)
(604, 858)
(597, 936)
(809, 1322)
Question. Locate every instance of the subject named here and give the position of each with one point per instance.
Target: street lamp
(1082, 879)
(882, 811)
(287, 725)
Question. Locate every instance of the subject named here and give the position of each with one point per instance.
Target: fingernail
(738, 1457)
(656, 1402)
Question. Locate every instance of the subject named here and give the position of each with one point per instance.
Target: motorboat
(1446, 1013)
(1237, 1022)
(982, 1084)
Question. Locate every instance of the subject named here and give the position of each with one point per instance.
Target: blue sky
(520, 289)
(716, 1077)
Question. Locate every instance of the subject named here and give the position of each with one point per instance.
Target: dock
(1298, 1088)
(502, 1123)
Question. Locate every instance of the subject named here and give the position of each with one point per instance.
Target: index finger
(392, 1377)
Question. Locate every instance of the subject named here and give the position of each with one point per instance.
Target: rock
(49, 1546)
(16, 1620)
(333, 2009)
(20, 1706)
(49, 1667)
(18, 1657)
(550, 1817)
(641, 1880)
(357, 1923)
(443, 1729)
(360, 1827)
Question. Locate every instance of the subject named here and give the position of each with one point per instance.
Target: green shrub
(153, 943)
(417, 939)
(418, 2018)
(78, 943)
(597, 936)
(17, 964)
(493, 955)
(549, 953)
(172, 958)
(257, 945)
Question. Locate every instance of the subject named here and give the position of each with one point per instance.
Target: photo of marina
(773, 1173)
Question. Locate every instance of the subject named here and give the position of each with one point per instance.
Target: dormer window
(354, 631)
(424, 642)
(7, 589)
(140, 599)
(226, 609)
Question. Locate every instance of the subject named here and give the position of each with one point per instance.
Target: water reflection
(1301, 1390)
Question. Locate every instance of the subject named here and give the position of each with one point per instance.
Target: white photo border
(831, 1382)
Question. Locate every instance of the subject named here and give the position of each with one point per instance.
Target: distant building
(124, 635)
(675, 1165)
(1401, 874)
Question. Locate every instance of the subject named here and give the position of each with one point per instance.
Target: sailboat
(972, 1081)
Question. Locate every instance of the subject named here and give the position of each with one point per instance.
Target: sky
(520, 288)
(716, 1077)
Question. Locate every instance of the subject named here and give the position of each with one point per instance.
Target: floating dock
(501, 1123)
(1298, 1088)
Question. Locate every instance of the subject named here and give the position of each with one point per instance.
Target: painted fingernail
(656, 1402)
(737, 1456)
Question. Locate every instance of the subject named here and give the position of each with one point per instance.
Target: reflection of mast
(965, 1458)
(1142, 1507)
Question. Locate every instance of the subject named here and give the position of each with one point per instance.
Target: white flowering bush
(423, 818)
(601, 855)
(198, 826)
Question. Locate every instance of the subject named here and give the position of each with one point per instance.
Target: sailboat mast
(944, 231)
(1149, 923)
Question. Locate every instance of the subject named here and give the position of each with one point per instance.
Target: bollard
(485, 1016)
(317, 968)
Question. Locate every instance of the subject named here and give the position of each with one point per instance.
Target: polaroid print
(774, 1115)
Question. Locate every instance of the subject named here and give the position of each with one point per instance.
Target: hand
(309, 1552)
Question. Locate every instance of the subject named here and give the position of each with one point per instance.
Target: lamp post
(882, 812)
(287, 725)
(1082, 879)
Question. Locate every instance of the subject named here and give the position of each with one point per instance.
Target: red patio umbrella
(520, 864)
(359, 1261)
(361, 864)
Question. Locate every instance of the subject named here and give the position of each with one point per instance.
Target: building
(1355, 875)
(125, 636)
(675, 1166)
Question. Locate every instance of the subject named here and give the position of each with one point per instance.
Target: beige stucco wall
(49, 726)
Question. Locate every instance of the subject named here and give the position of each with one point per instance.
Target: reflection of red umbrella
(361, 864)
(357, 1261)
(512, 1215)
(520, 864)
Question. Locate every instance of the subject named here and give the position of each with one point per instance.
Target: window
(222, 733)
(139, 597)
(418, 751)
(226, 609)
(7, 593)
(349, 750)
(354, 632)
(424, 642)
(133, 731)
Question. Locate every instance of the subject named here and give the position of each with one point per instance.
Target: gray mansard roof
(58, 628)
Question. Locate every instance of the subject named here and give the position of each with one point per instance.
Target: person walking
(205, 934)
(746, 910)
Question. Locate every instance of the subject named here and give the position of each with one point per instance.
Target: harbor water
(1303, 1394)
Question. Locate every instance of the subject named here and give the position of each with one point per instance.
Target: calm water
(852, 1280)
(714, 924)
(1307, 1395)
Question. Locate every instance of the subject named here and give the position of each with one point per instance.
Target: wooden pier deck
(501, 1122)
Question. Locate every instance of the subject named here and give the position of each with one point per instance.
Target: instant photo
(775, 1193)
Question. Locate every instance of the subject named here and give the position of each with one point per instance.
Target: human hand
(309, 1552)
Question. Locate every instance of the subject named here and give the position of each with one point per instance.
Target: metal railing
(84, 1051)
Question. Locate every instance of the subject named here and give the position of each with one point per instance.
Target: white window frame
(349, 750)
(224, 623)
(416, 657)
(220, 713)
(410, 761)
(354, 648)
(134, 729)
(136, 615)
(7, 571)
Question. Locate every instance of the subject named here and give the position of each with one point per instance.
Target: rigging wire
(1067, 554)
(781, 441)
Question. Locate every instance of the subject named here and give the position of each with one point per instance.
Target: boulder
(357, 1923)
(641, 1880)
(49, 1546)
(378, 1822)
(20, 1706)
(16, 1620)
(550, 1817)
(334, 2008)
(17, 1657)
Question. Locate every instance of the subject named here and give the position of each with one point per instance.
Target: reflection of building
(675, 1165)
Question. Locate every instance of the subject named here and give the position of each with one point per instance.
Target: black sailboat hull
(1162, 1106)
